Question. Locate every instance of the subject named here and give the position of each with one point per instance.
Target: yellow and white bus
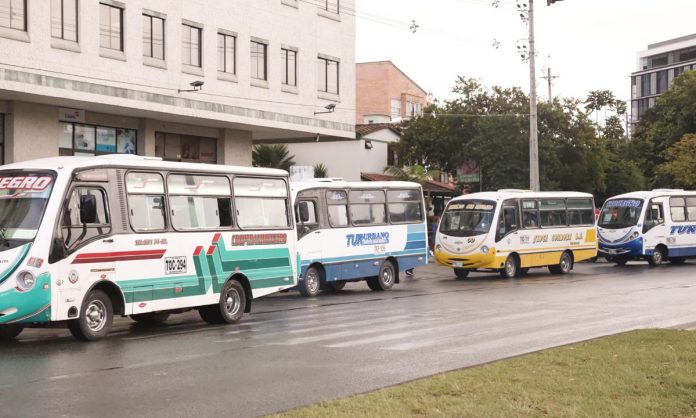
(85, 238)
(511, 231)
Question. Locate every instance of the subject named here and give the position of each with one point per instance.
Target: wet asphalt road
(293, 351)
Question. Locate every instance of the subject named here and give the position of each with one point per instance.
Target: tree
(673, 116)
(320, 171)
(272, 156)
(678, 169)
(416, 173)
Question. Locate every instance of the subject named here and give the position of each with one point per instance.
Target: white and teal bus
(655, 226)
(85, 238)
(352, 231)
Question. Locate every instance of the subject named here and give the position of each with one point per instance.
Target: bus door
(85, 245)
(507, 236)
(308, 225)
(654, 225)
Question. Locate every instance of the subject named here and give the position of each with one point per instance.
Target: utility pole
(550, 79)
(533, 132)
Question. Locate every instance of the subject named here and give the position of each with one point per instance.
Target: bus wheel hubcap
(510, 268)
(96, 315)
(565, 263)
(387, 276)
(232, 301)
(312, 282)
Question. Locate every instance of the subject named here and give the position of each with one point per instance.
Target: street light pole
(533, 131)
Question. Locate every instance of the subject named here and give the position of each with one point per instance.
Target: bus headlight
(25, 280)
(635, 235)
(484, 250)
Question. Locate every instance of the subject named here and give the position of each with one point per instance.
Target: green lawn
(637, 374)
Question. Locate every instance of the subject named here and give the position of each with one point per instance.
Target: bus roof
(339, 184)
(523, 194)
(135, 161)
(649, 194)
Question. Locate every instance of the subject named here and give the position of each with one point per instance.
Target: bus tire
(658, 257)
(510, 267)
(461, 273)
(564, 265)
(336, 286)
(677, 260)
(311, 282)
(231, 307)
(385, 279)
(10, 332)
(151, 318)
(96, 317)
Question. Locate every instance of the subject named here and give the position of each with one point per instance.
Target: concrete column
(32, 131)
(146, 137)
(234, 147)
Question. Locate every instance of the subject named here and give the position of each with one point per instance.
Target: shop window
(82, 140)
(187, 148)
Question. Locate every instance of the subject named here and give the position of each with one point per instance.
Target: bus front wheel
(96, 317)
(10, 332)
(461, 273)
(657, 257)
(311, 283)
(510, 267)
(386, 278)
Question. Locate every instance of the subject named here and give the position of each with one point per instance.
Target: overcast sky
(589, 44)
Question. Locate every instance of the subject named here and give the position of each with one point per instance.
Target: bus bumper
(633, 248)
(468, 261)
(32, 306)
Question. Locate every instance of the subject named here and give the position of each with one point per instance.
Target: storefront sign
(71, 115)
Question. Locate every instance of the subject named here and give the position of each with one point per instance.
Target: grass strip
(647, 373)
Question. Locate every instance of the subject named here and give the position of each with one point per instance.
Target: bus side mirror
(88, 209)
(304, 212)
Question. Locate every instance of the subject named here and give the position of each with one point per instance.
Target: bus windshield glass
(467, 218)
(23, 199)
(620, 213)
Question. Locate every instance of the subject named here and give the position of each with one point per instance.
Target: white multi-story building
(656, 68)
(91, 77)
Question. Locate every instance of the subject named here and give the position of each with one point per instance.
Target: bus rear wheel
(564, 265)
(96, 317)
(461, 273)
(510, 267)
(151, 318)
(385, 279)
(311, 282)
(231, 307)
(10, 332)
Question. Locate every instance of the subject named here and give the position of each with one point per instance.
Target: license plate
(175, 265)
(457, 264)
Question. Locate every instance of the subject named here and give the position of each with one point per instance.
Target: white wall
(341, 158)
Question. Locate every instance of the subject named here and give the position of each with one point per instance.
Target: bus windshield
(23, 199)
(467, 218)
(620, 213)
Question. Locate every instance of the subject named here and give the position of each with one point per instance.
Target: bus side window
(654, 216)
(306, 215)
(78, 228)
(507, 222)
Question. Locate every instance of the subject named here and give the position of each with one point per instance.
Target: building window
(188, 148)
(395, 108)
(190, 45)
(330, 5)
(110, 27)
(13, 14)
(81, 139)
(661, 82)
(153, 37)
(288, 62)
(64, 19)
(645, 85)
(258, 60)
(227, 46)
(327, 75)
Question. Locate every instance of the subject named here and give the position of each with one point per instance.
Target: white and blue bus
(655, 226)
(83, 239)
(352, 231)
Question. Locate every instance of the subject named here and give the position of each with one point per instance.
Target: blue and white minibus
(655, 226)
(352, 231)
